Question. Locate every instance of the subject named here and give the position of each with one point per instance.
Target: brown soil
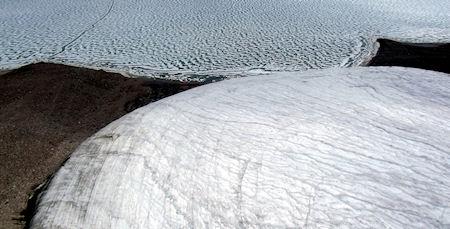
(47, 110)
(433, 56)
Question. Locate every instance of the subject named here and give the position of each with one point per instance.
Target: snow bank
(364, 147)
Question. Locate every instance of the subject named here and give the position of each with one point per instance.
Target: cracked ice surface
(212, 37)
(362, 147)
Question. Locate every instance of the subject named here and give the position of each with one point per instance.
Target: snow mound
(362, 147)
(163, 38)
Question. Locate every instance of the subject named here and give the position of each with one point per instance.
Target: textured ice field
(340, 148)
(201, 37)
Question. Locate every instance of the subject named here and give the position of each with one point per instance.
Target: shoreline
(4, 72)
(47, 110)
(380, 52)
(359, 59)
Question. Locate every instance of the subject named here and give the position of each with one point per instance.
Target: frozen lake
(190, 38)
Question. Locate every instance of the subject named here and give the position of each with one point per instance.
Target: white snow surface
(198, 39)
(347, 148)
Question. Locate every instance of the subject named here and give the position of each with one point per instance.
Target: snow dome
(365, 147)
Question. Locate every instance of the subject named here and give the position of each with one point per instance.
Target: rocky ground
(47, 110)
(426, 56)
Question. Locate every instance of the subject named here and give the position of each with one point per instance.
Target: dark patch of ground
(47, 110)
(432, 56)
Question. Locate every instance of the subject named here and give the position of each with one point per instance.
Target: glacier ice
(203, 38)
(354, 147)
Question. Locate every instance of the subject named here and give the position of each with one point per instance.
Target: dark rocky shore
(432, 56)
(47, 110)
